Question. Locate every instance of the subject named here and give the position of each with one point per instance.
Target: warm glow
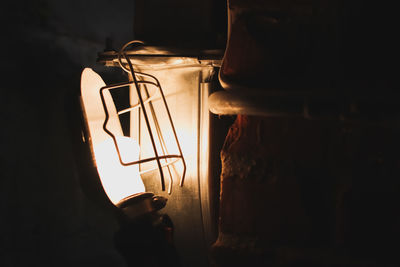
(118, 181)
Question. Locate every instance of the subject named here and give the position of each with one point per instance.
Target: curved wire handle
(137, 82)
(122, 52)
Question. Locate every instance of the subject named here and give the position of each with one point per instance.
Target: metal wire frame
(137, 82)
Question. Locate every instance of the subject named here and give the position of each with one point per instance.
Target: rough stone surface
(296, 190)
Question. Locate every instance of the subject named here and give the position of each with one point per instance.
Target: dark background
(45, 219)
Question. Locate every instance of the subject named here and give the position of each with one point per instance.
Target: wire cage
(146, 89)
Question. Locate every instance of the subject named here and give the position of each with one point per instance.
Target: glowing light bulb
(118, 181)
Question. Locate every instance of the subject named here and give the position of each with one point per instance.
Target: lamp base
(145, 237)
(141, 203)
